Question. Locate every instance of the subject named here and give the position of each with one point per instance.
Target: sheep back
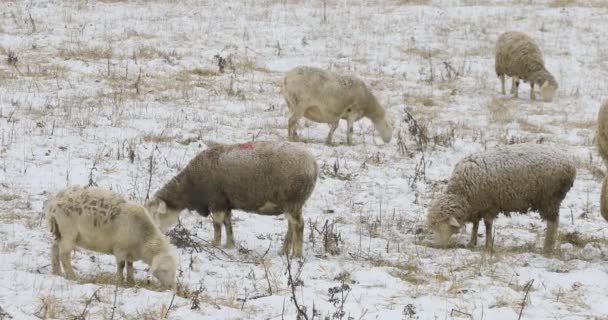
(98, 219)
(326, 96)
(517, 55)
(513, 178)
(268, 178)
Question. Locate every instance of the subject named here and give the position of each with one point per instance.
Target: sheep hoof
(229, 245)
(215, 243)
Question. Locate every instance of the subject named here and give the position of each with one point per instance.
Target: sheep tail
(54, 228)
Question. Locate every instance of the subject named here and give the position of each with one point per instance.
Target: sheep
(602, 147)
(103, 221)
(268, 178)
(514, 178)
(519, 57)
(327, 97)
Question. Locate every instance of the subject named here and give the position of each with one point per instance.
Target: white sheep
(103, 221)
(268, 178)
(519, 57)
(327, 97)
(514, 178)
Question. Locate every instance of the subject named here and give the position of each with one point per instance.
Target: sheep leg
(532, 96)
(332, 129)
(65, 253)
(297, 232)
(473, 241)
(288, 238)
(551, 235)
(502, 82)
(515, 87)
(218, 220)
(292, 127)
(489, 238)
(55, 260)
(349, 130)
(130, 277)
(228, 227)
(120, 266)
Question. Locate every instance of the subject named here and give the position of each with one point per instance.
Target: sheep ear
(454, 223)
(162, 207)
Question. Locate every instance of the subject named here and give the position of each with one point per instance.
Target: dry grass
(85, 53)
(526, 125)
(412, 2)
(423, 52)
(578, 3)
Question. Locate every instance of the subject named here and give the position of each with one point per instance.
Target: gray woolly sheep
(102, 221)
(602, 146)
(519, 57)
(268, 178)
(514, 178)
(326, 97)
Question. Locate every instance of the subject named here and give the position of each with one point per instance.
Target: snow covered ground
(115, 92)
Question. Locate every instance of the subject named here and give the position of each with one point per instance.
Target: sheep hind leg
(489, 237)
(502, 83)
(330, 135)
(473, 241)
(297, 234)
(218, 220)
(288, 238)
(228, 227)
(55, 260)
(551, 236)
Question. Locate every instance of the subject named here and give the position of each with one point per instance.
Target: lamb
(602, 146)
(519, 57)
(103, 221)
(327, 97)
(514, 178)
(268, 178)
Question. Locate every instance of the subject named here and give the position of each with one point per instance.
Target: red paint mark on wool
(247, 146)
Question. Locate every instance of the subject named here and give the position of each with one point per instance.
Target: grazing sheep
(514, 178)
(519, 57)
(102, 221)
(268, 178)
(602, 147)
(326, 97)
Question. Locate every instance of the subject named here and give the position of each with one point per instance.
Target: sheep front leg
(332, 129)
(130, 277)
(502, 83)
(551, 235)
(292, 127)
(515, 87)
(349, 130)
(532, 96)
(295, 233)
(218, 220)
(473, 241)
(55, 260)
(120, 266)
(65, 253)
(489, 237)
(228, 227)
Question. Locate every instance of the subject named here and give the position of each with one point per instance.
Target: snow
(72, 111)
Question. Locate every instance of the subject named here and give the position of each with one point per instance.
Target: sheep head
(547, 91)
(163, 216)
(443, 217)
(385, 129)
(164, 268)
